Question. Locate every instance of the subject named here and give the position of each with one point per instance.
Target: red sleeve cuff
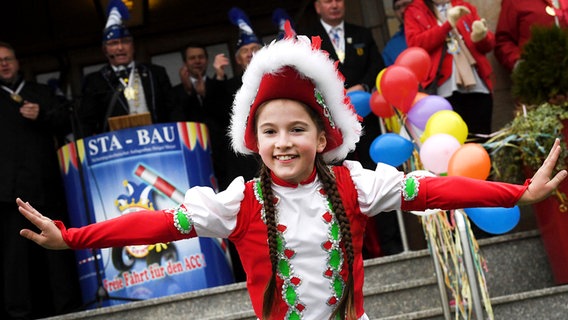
(142, 227)
(448, 193)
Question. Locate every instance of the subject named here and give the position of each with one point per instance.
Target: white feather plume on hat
(311, 62)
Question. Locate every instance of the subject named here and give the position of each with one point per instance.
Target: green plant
(543, 72)
(523, 144)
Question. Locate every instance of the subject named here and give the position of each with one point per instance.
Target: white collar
(118, 68)
(328, 27)
(193, 79)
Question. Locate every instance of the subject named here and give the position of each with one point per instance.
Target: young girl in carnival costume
(299, 227)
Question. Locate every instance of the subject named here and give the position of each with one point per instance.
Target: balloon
(378, 80)
(391, 148)
(417, 60)
(419, 96)
(422, 110)
(494, 220)
(437, 150)
(422, 173)
(360, 100)
(399, 87)
(470, 160)
(379, 106)
(445, 121)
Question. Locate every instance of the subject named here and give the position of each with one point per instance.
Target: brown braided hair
(346, 306)
(271, 225)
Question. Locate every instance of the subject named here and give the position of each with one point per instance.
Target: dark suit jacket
(216, 103)
(100, 86)
(28, 166)
(229, 165)
(362, 62)
(361, 65)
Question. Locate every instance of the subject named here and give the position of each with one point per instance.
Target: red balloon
(399, 87)
(417, 60)
(380, 106)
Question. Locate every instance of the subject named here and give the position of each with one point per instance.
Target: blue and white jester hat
(246, 34)
(279, 18)
(114, 29)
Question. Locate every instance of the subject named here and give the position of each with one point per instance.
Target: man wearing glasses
(31, 120)
(123, 86)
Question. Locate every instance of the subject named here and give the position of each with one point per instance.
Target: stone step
(548, 303)
(401, 286)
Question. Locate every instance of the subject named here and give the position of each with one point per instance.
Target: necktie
(337, 45)
(335, 37)
(124, 74)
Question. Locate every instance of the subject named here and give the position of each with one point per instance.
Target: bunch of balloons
(439, 132)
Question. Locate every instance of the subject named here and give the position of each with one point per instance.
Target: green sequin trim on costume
(182, 220)
(334, 251)
(321, 102)
(410, 186)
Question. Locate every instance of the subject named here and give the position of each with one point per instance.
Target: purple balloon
(425, 108)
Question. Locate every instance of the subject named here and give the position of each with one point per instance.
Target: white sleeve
(377, 191)
(215, 214)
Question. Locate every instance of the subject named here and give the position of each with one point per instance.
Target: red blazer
(514, 28)
(422, 30)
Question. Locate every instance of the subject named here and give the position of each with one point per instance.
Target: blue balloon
(361, 101)
(496, 220)
(391, 148)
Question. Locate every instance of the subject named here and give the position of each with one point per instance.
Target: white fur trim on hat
(311, 63)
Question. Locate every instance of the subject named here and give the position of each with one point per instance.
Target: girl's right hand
(50, 236)
(543, 183)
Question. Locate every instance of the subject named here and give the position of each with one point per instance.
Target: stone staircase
(397, 287)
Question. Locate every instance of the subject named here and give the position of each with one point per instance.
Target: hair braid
(346, 306)
(271, 225)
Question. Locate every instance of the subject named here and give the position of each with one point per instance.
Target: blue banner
(142, 168)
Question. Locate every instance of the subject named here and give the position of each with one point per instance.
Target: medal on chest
(130, 93)
(17, 98)
(15, 94)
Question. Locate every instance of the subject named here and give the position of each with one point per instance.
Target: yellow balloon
(378, 80)
(446, 121)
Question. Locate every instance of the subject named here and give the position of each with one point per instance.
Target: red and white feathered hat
(295, 68)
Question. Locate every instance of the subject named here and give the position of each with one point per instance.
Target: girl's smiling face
(288, 139)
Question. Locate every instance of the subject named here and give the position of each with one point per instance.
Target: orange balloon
(470, 160)
(419, 96)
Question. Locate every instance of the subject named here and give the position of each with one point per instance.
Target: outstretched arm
(141, 227)
(542, 185)
(50, 237)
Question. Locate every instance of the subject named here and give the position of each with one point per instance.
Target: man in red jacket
(514, 28)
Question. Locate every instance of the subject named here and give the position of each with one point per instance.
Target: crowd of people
(38, 122)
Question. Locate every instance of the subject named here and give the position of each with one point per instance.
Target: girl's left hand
(541, 185)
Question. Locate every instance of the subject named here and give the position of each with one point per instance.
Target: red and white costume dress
(312, 270)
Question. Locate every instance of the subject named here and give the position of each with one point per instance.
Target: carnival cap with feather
(279, 18)
(114, 29)
(295, 68)
(246, 34)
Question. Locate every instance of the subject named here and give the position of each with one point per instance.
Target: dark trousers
(476, 109)
(36, 282)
